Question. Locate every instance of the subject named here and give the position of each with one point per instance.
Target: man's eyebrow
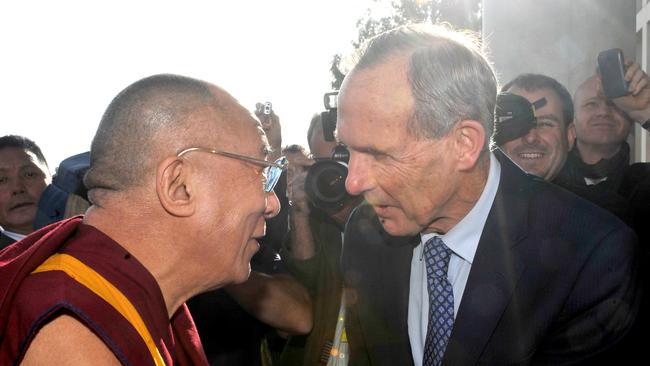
(369, 150)
(591, 99)
(22, 167)
(552, 117)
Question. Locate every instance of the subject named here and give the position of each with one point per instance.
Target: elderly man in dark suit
(504, 268)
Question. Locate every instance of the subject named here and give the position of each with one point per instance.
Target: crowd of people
(186, 236)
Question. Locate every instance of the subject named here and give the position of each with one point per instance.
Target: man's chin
(242, 276)
(537, 171)
(396, 228)
(254, 246)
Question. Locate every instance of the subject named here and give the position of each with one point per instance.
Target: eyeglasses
(271, 172)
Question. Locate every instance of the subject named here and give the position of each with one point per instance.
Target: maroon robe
(28, 301)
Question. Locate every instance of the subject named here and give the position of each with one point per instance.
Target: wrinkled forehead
(375, 102)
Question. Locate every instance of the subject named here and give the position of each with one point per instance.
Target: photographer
(313, 252)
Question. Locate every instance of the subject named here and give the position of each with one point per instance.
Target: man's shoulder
(550, 209)
(79, 346)
(636, 176)
(43, 297)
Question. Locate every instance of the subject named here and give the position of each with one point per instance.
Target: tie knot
(437, 254)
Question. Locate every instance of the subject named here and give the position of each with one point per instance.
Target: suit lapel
(387, 330)
(495, 271)
(383, 263)
(5, 241)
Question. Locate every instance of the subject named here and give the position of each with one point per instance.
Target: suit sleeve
(602, 307)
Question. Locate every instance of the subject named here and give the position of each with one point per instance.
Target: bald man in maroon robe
(177, 185)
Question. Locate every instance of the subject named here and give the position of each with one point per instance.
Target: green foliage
(461, 14)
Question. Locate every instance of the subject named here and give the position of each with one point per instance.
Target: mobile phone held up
(612, 73)
(264, 109)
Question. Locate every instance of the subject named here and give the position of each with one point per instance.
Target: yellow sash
(104, 289)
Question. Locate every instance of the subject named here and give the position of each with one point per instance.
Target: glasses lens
(273, 174)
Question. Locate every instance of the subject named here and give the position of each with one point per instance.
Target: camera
(325, 181)
(328, 118)
(264, 108)
(514, 117)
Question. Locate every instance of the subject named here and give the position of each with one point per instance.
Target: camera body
(264, 108)
(514, 117)
(325, 181)
(328, 117)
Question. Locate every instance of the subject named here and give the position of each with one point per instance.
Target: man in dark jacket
(503, 265)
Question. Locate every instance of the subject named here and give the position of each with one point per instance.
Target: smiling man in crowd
(24, 175)
(543, 150)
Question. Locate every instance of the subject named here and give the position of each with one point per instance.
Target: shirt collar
(463, 238)
(11, 234)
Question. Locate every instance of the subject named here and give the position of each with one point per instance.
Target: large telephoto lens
(325, 184)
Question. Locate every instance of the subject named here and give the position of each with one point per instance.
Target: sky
(63, 61)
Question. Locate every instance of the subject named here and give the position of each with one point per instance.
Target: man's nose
(18, 186)
(272, 205)
(605, 108)
(532, 137)
(358, 180)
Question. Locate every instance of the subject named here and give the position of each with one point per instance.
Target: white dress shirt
(11, 234)
(463, 240)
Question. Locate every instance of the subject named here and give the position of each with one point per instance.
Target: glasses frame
(272, 170)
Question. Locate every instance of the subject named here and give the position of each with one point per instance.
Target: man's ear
(571, 135)
(469, 136)
(174, 187)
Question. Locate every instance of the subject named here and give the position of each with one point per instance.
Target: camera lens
(325, 184)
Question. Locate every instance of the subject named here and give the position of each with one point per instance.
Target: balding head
(590, 84)
(599, 124)
(150, 112)
(205, 206)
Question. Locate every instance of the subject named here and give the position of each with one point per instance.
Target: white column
(641, 152)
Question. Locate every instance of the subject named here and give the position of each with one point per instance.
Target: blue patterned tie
(441, 301)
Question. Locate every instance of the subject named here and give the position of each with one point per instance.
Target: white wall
(559, 38)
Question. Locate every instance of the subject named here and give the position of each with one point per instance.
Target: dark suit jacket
(553, 282)
(5, 241)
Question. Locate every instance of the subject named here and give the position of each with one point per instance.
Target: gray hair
(450, 76)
